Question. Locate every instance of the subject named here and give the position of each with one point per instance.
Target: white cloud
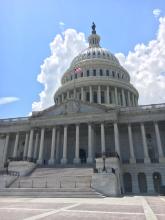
(8, 100)
(63, 49)
(156, 12)
(61, 23)
(146, 65)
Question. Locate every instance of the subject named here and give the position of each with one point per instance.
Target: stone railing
(13, 120)
(143, 107)
(106, 154)
(52, 182)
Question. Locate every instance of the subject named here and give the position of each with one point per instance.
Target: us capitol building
(95, 115)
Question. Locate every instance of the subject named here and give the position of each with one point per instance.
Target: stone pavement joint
(40, 216)
(149, 214)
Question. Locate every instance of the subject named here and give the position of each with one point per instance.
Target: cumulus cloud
(8, 100)
(63, 49)
(146, 65)
(156, 12)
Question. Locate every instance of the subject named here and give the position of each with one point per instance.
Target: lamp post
(104, 158)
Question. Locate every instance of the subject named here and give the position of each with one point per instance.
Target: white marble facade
(96, 111)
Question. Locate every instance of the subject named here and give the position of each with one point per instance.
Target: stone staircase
(54, 182)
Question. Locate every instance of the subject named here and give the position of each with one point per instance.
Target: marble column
(30, 148)
(123, 98)
(116, 97)
(67, 94)
(15, 152)
(77, 158)
(36, 146)
(91, 94)
(99, 94)
(145, 147)
(41, 149)
(82, 94)
(64, 157)
(26, 146)
(6, 149)
(53, 147)
(108, 101)
(131, 147)
(102, 138)
(116, 136)
(90, 158)
(159, 143)
(58, 146)
(133, 99)
(62, 96)
(129, 99)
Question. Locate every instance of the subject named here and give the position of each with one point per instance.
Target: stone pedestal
(51, 162)
(76, 160)
(105, 183)
(64, 161)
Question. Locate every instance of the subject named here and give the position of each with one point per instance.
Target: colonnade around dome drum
(98, 90)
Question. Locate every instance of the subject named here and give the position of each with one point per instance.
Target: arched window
(157, 180)
(87, 96)
(102, 97)
(101, 72)
(127, 182)
(95, 97)
(142, 182)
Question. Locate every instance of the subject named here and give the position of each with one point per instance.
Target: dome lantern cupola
(94, 39)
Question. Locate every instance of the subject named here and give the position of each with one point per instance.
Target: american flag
(77, 70)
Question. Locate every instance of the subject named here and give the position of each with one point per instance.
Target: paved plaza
(135, 207)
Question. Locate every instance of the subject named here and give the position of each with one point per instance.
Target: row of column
(131, 98)
(30, 148)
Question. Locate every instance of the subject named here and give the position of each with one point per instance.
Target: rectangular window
(101, 72)
(94, 72)
(107, 72)
(87, 72)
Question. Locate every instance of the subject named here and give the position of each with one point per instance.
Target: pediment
(70, 107)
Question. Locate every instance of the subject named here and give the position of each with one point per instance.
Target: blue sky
(28, 26)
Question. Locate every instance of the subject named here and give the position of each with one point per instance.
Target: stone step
(47, 192)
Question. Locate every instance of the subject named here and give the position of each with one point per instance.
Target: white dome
(94, 53)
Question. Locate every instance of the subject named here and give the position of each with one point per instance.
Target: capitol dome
(96, 76)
